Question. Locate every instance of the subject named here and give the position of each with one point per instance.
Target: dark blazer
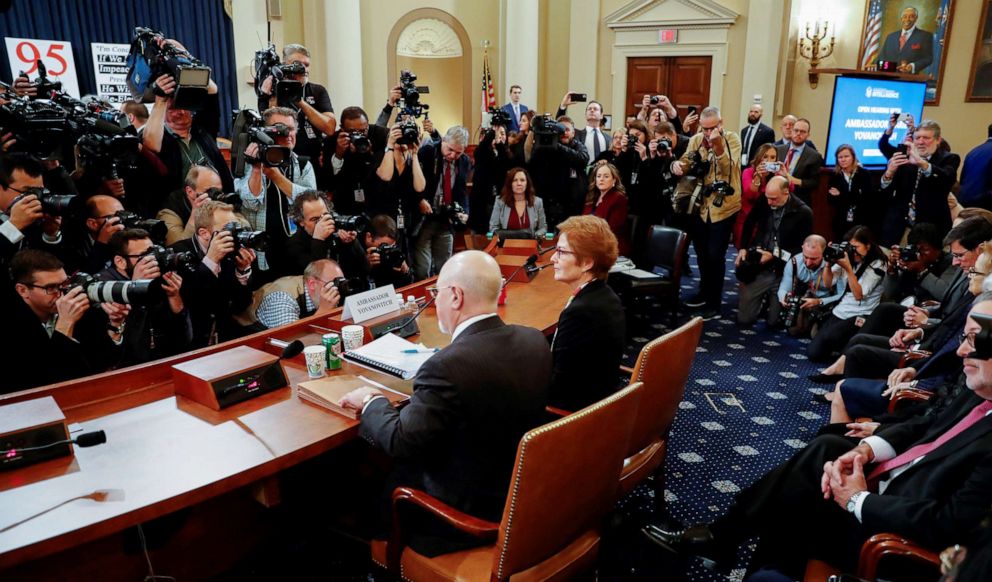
(559, 175)
(457, 438)
(931, 196)
(491, 166)
(763, 134)
(514, 123)
(432, 163)
(918, 49)
(587, 348)
(580, 136)
(807, 169)
(206, 126)
(356, 173)
(796, 225)
(859, 197)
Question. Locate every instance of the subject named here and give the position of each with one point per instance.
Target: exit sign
(668, 36)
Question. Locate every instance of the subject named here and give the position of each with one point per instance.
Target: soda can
(333, 344)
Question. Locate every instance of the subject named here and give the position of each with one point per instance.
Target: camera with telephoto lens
(288, 92)
(360, 142)
(255, 240)
(172, 260)
(837, 251)
(390, 255)
(157, 229)
(720, 190)
(355, 223)
(126, 292)
(147, 61)
(53, 204)
(106, 154)
(546, 130)
(219, 195)
(908, 254)
(39, 128)
(249, 127)
(451, 212)
(498, 117)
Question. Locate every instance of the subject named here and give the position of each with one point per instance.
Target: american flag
(873, 34)
(488, 90)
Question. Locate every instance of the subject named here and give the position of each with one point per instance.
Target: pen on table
(425, 351)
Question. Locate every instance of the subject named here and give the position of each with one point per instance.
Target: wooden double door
(685, 80)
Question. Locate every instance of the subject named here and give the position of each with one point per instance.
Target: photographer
(45, 318)
(315, 114)
(316, 236)
(444, 202)
(267, 192)
(492, 161)
(24, 224)
(557, 163)
(649, 103)
(780, 223)
(716, 151)
(921, 269)
(219, 285)
(807, 287)
(400, 184)
(289, 299)
(87, 246)
(517, 140)
(385, 258)
(657, 182)
(182, 139)
(202, 183)
(355, 152)
(159, 329)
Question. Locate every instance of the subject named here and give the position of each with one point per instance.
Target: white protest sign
(370, 304)
(23, 54)
(110, 66)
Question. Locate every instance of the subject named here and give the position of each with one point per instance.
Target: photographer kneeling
(807, 289)
(320, 288)
(780, 223)
(386, 259)
(218, 286)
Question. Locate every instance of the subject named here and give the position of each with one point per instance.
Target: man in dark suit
(788, 121)
(457, 438)
(916, 184)
(593, 135)
(910, 47)
(349, 172)
(754, 135)
(800, 162)
(515, 108)
(822, 503)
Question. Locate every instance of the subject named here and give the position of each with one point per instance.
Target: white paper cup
(353, 336)
(316, 360)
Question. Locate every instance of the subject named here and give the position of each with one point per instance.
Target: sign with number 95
(23, 54)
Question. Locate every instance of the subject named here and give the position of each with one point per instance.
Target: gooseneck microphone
(87, 439)
(292, 350)
(529, 263)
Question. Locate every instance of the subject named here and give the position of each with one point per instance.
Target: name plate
(370, 304)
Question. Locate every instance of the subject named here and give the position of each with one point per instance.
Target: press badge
(399, 221)
(359, 195)
(633, 178)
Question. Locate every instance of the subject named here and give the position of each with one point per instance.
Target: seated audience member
(349, 173)
(446, 170)
(492, 161)
(780, 223)
(87, 246)
(291, 298)
(923, 275)
(383, 249)
(518, 208)
(809, 278)
(801, 164)
(219, 286)
(400, 184)
(916, 183)
(26, 225)
(607, 199)
(559, 172)
(318, 238)
(457, 437)
(589, 341)
(155, 329)
(177, 214)
(819, 503)
(754, 180)
(862, 269)
(267, 193)
(976, 175)
(45, 318)
(851, 194)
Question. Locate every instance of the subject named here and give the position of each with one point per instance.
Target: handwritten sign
(23, 54)
(370, 304)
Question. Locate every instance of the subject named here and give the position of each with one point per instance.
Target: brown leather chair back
(663, 366)
(564, 482)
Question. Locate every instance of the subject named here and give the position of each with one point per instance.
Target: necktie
(902, 39)
(748, 140)
(978, 413)
(788, 159)
(447, 182)
(516, 113)
(595, 144)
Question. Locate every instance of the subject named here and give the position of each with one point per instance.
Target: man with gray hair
(444, 202)
(457, 438)
(909, 47)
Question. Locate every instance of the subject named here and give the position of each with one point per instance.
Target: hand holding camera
(221, 245)
(71, 307)
(116, 313)
(171, 284)
(324, 227)
(146, 268)
(108, 228)
(329, 295)
(244, 259)
(26, 212)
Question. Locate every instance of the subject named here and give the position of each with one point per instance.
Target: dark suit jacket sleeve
(430, 414)
(925, 53)
(888, 150)
(208, 118)
(574, 154)
(810, 174)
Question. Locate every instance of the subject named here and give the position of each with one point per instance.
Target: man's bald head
(477, 275)
(815, 241)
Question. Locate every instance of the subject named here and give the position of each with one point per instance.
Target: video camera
(837, 251)
(498, 117)
(172, 260)
(390, 255)
(45, 86)
(288, 92)
(157, 229)
(249, 127)
(53, 204)
(107, 153)
(126, 292)
(546, 130)
(256, 240)
(147, 61)
(410, 107)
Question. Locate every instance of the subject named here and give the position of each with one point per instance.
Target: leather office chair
(884, 545)
(666, 248)
(550, 528)
(663, 366)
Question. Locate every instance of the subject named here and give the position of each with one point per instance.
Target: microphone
(87, 439)
(531, 270)
(543, 252)
(529, 263)
(292, 350)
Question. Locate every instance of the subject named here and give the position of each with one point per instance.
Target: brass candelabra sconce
(813, 48)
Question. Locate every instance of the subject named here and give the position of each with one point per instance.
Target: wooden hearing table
(165, 453)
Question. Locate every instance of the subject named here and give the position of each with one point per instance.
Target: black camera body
(125, 292)
(498, 117)
(157, 229)
(792, 303)
(45, 86)
(288, 92)
(390, 255)
(909, 254)
(664, 146)
(53, 204)
(256, 240)
(837, 251)
(356, 223)
(147, 61)
(409, 132)
(219, 195)
(249, 127)
(698, 167)
(360, 142)
(107, 153)
(720, 190)
(451, 212)
(546, 130)
(410, 94)
(348, 285)
(172, 260)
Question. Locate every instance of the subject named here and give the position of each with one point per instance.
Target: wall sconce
(811, 49)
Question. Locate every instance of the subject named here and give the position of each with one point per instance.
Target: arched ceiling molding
(429, 38)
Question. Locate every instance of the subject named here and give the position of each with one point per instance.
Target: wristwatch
(368, 398)
(852, 503)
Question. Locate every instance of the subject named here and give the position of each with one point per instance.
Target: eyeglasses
(52, 289)
(435, 291)
(560, 251)
(968, 338)
(960, 255)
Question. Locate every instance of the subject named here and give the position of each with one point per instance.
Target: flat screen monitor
(860, 114)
